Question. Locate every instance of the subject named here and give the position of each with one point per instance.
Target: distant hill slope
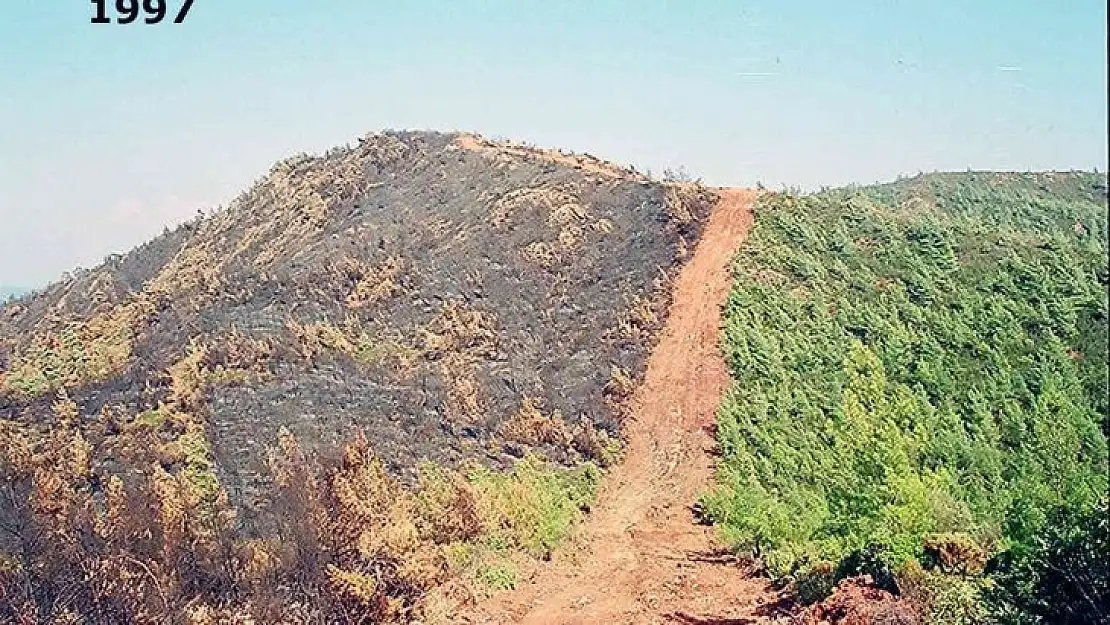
(455, 298)
(920, 380)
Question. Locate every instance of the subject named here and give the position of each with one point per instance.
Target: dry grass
(390, 546)
(460, 337)
(231, 359)
(562, 211)
(639, 320)
(531, 427)
(321, 338)
(281, 212)
(541, 253)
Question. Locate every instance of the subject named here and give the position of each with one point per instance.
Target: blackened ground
(512, 276)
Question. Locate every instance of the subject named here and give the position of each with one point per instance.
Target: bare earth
(642, 556)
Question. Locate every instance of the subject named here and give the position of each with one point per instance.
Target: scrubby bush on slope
(919, 370)
(349, 543)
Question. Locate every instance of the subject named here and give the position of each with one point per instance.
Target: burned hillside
(454, 298)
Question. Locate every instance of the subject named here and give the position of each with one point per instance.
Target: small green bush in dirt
(498, 576)
(534, 507)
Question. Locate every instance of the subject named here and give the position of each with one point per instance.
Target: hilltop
(408, 285)
(432, 299)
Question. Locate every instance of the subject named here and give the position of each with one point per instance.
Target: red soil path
(642, 556)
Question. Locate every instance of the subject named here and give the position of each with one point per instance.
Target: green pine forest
(920, 393)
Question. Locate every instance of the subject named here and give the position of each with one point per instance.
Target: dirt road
(644, 558)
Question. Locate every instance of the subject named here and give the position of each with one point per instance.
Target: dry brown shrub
(436, 227)
(682, 249)
(564, 213)
(359, 586)
(237, 351)
(620, 384)
(529, 426)
(955, 553)
(59, 500)
(171, 511)
(595, 443)
(541, 253)
(458, 328)
(507, 153)
(570, 237)
(236, 359)
(464, 401)
(319, 338)
(604, 226)
(460, 337)
(559, 205)
(110, 524)
(375, 529)
(16, 450)
(93, 551)
(139, 588)
(565, 210)
(187, 378)
(199, 613)
(300, 503)
(447, 506)
(351, 543)
(58, 358)
(642, 312)
(638, 321)
(679, 201)
(372, 284)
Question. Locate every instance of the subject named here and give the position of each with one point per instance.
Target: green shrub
(944, 598)
(499, 576)
(533, 506)
(1062, 576)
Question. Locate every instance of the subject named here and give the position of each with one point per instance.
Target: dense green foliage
(1062, 576)
(916, 363)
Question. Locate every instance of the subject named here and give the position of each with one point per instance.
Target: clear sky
(110, 132)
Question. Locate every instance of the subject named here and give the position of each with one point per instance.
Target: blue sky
(110, 132)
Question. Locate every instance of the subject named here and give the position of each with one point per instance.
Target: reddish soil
(642, 557)
(856, 601)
